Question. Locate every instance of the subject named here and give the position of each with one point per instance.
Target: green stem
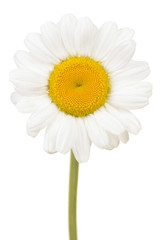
(72, 204)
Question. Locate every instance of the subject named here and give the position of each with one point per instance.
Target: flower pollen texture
(78, 86)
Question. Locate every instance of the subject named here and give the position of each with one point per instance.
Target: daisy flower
(79, 82)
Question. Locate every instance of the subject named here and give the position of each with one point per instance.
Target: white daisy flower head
(79, 82)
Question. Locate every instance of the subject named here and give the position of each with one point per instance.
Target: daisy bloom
(79, 82)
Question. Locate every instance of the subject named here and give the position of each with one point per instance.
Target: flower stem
(72, 204)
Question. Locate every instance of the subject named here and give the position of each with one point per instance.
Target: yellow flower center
(78, 86)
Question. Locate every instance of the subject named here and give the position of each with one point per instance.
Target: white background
(119, 190)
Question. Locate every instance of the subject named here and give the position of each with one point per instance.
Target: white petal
(27, 79)
(120, 56)
(31, 92)
(114, 141)
(132, 96)
(124, 34)
(41, 118)
(129, 121)
(108, 122)
(134, 71)
(31, 104)
(35, 44)
(51, 133)
(52, 39)
(128, 102)
(104, 40)
(16, 97)
(27, 61)
(126, 88)
(66, 134)
(67, 27)
(96, 134)
(81, 147)
(84, 35)
(124, 137)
